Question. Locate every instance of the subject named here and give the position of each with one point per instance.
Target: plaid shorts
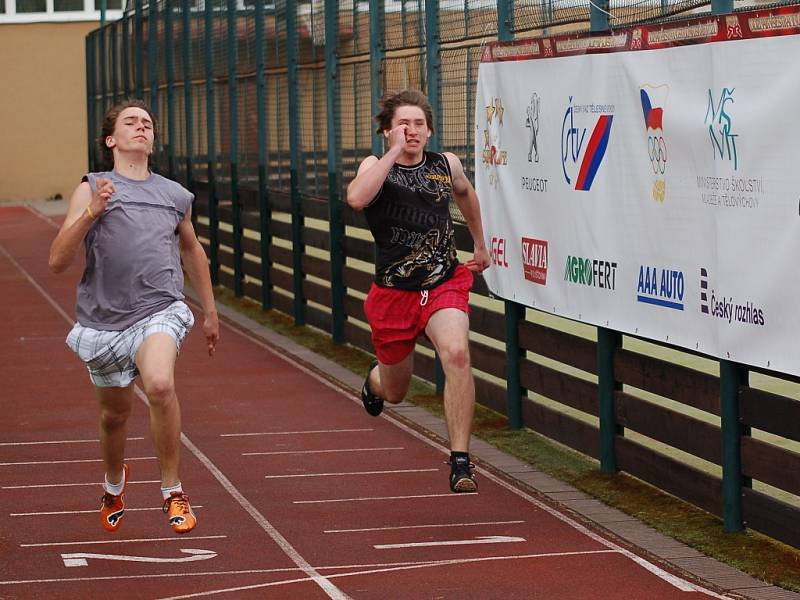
(110, 356)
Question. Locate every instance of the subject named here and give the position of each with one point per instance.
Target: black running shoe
(372, 403)
(461, 477)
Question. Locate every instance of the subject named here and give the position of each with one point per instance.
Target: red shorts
(397, 317)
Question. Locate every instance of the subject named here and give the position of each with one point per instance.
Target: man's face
(417, 132)
(133, 132)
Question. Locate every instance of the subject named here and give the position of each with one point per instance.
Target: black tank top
(410, 221)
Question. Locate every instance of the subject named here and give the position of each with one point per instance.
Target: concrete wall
(42, 109)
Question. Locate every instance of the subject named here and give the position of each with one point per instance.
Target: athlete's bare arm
(196, 264)
(467, 201)
(84, 208)
(372, 171)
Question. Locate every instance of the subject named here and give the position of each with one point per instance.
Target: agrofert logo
(591, 272)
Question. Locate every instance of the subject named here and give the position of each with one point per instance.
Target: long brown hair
(391, 101)
(110, 121)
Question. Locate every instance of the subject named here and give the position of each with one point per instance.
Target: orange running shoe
(181, 515)
(112, 508)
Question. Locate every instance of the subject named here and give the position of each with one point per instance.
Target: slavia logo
(591, 272)
(498, 252)
(724, 307)
(653, 99)
(661, 287)
(720, 126)
(534, 260)
(578, 153)
(493, 156)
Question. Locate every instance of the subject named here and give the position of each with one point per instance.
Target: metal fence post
(598, 15)
(263, 197)
(731, 377)
(139, 48)
(213, 215)
(233, 120)
(336, 224)
(102, 52)
(152, 55)
(169, 50)
(126, 57)
(114, 63)
(186, 63)
(608, 342)
(294, 158)
(376, 57)
(91, 116)
(515, 313)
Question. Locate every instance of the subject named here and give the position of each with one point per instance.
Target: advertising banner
(647, 181)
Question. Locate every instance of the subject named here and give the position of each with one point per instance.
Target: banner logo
(725, 308)
(498, 252)
(534, 260)
(532, 123)
(578, 153)
(661, 287)
(653, 99)
(591, 272)
(493, 156)
(720, 126)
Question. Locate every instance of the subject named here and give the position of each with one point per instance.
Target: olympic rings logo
(657, 149)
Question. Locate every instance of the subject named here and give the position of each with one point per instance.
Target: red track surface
(299, 493)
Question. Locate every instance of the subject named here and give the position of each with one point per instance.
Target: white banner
(653, 192)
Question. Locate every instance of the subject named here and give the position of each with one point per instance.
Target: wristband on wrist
(90, 213)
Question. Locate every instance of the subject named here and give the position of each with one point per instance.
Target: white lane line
(350, 473)
(380, 565)
(56, 485)
(321, 451)
(128, 541)
(482, 539)
(95, 441)
(330, 589)
(393, 568)
(368, 498)
(68, 462)
(429, 526)
(673, 580)
(87, 512)
(294, 432)
(81, 559)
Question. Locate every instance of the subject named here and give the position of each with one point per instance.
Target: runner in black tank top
(420, 287)
(410, 221)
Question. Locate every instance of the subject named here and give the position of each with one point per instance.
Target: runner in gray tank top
(135, 227)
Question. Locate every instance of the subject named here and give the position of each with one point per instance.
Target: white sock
(115, 489)
(165, 492)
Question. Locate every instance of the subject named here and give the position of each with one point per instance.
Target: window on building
(64, 5)
(31, 6)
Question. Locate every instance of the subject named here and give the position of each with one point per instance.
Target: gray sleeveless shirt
(133, 266)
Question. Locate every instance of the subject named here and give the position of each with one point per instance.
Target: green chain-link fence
(265, 111)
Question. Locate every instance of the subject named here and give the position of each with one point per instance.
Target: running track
(299, 494)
